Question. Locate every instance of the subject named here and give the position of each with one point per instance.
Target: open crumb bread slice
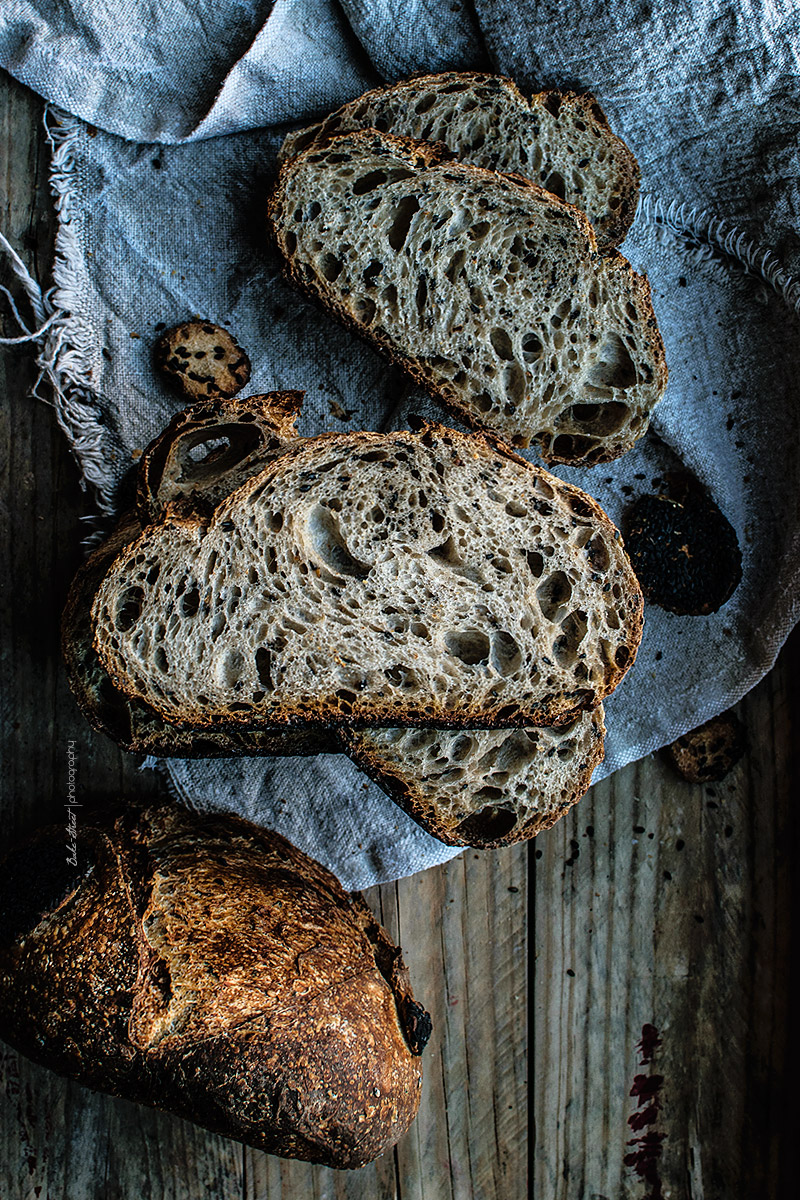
(560, 140)
(375, 579)
(476, 788)
(486, 289)
(482, 787)
(130, 723)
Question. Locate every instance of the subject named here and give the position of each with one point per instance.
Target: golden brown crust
(201, 360)
(208, 967)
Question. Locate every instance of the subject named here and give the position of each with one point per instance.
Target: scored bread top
(560, 140)
(486, 289)
(376, 579)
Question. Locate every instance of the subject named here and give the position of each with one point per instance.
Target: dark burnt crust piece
(709, 752)
(201, 360)
(259, 425)
(89, 987)
(485, 829)
(683, 549)
(611, 229)
(425, 156)
(555, 709)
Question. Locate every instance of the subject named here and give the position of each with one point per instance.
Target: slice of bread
(482, 787)
(486, 289)
(129, 722)
(560, 140)
(476, 788)
(375, 579)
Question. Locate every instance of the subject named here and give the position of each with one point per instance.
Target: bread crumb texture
(488, 290)
(376, 579)
(559, 140)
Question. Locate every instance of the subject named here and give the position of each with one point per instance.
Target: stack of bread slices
(426, 601)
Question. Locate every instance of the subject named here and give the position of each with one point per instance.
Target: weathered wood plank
(657, 902)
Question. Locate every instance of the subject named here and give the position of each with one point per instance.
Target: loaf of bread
(560, 140)
(375, 579)
(486, 289)
(207, 967)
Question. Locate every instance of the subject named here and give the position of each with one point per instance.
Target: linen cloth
(170, 118)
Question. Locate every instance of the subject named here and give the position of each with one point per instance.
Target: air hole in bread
(615, 367)
(369, 182)
(553, 593)
(365, 310)
(330, 267)
(401, 221)
(536, 563)
(329, 546)
(189, 602)
(514, 383)
(573, 631)
(574, 445)
(555, 184)
(489, 824)
(501, 343)
(506, 654)
(479, 231)
(455, 265)
(263, 660)
(401, 676)
(129, 608)
(471, 646)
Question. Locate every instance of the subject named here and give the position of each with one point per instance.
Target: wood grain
(658, 902)
(462, 929)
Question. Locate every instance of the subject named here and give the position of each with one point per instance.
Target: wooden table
(653, 903)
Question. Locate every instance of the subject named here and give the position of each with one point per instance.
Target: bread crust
(208, 967)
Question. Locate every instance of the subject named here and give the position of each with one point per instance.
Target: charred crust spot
(685, 554)
(417, 1024)
(708, 753)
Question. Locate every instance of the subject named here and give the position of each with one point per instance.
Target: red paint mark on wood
(646, 1149)
(648, 1045)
